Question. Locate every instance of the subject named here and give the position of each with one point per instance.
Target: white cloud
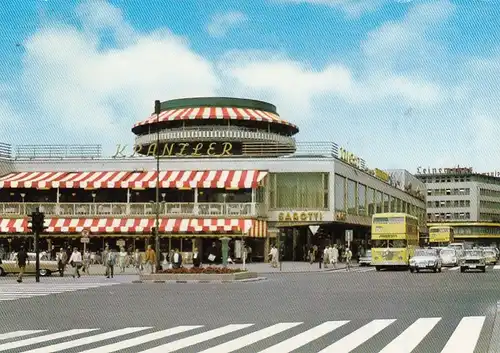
(221, 23)
(104, 92)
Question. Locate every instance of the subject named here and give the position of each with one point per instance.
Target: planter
(237, 276)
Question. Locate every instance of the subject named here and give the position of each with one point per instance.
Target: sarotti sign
(453, 170)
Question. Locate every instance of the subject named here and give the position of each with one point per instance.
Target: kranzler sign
(180, 149)
(304, 216)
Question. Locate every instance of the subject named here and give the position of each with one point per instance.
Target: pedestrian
(138, 261)
(86, 262)
(22, 257)
(122, 259)
(150, 259)
(348, 257)
(274, 256)
(326, 256)
(76, 262)
(177, 262)
(334, 256)
(110, 262)
(196, 258)
(62, 259)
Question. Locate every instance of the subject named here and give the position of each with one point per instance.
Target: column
(58, 195)
(128, 202)
(267, 248)
(225, 250)
(195, 210)
(254, 197)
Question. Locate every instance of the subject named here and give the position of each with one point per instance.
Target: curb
(205, 281)
(494, 346)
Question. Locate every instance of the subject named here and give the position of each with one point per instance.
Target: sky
(399, 83)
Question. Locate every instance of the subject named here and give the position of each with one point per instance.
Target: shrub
(205, 270)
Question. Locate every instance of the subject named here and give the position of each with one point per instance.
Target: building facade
(228, 168)
(468, 201)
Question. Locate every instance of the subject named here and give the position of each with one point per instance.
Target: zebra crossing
(14, 291)
(281, 337)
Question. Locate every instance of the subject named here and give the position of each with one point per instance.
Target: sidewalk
(291, 267)
(259, 267)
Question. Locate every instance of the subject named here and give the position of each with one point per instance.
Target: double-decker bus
(394, 237)
(441, 236)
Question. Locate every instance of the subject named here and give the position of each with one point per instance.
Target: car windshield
(473, 253)
(448, 252)
(489, 252)
(425, 252)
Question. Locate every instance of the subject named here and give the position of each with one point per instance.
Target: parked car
(449, 257)
(490, 256)
(473, 259)
(366, 260)
(10, 266)
(425, 259)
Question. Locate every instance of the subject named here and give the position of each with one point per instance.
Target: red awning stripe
(131, 225)
(210, 113)
(236, 179)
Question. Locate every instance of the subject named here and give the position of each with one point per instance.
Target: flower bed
(203, 270)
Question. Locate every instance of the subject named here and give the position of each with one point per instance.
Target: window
(298, 190)
(386, 203)
(378, 201)
(361, 199)
(370, 200)
(340, 191)
(351, 197)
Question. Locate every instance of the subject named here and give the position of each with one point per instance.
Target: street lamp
(157, 224)
(23, 195)
(93, 201)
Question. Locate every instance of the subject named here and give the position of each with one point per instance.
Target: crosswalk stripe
(41, 339)
(87, 340)
(412, 336)
(465, 336)
(251, 338)
(136, 341)
(304, 338)
(358, 337)
(17, 334)
(199, 338)
(496, 267)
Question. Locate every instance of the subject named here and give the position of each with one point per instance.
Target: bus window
(389, 244)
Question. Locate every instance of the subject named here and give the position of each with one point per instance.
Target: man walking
(22, 257)
(110, 262)
(62, 259)
(76, 261)
(150, 259)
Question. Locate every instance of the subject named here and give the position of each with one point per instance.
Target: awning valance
(229, 179)
(96, 226)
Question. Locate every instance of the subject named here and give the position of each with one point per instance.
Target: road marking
(40, 339)
(358, 337)
(87, 340)
(136, 341)
(199, 338)
(17, 334)
(496, 267)
(251, 338)
(15, 291)
(304, 338)
(465, 336)
(454, 268)
(412, 336)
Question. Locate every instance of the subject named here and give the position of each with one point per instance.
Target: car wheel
(434, 269)
(483, 269)
(462, 269)
(377, 268)
(439, 269)
(44, 273)
(412, 270)
(417, 270)
(2, 272)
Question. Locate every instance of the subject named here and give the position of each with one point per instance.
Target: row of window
(434, 217)
(492, 217)
(358, 199)
(299, 190)
(449, 203)
(445, 179)
(488, 192)
(489, 204)
(448, 192)
(476, 230)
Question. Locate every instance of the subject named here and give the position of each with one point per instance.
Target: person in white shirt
(334, 256)
(274, 256)
(76, 261)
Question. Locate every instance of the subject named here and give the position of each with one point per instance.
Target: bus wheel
(412, 270)
(377, 268)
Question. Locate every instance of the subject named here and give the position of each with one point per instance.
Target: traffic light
(36, 222)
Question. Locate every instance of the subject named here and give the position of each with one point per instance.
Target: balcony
(167, 209)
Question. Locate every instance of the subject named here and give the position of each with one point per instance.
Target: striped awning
(229, 179)
(136, 225)
(212, 113)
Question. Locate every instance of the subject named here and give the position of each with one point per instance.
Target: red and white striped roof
(136, 225)
(230, 179)
(207, 113)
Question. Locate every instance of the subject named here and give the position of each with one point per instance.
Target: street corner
(494, 346)
(247, 280)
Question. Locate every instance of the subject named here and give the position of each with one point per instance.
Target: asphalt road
(310, 299)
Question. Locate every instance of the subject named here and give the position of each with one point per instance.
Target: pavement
(339, 311)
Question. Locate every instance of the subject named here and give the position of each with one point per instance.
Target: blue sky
(400, 83)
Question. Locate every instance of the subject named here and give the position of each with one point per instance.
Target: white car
(425, 259)
(365, 260)
(449, 257)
